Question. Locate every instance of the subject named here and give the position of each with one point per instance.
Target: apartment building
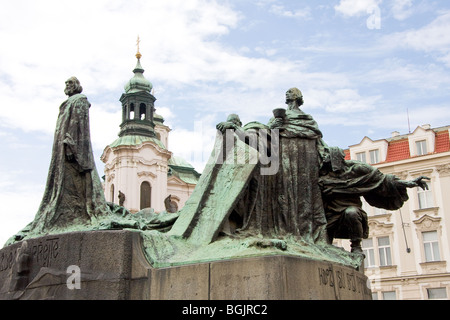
(408, 250)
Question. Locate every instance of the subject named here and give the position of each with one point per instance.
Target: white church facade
(139, 165)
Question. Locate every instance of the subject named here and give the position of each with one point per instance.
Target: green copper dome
(138, 82)
(158, 118)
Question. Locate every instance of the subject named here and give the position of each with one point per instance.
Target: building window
(131, 113)
(374, 156)
(368, 250)
(421, 147)
(143, 111)
(374, 295)
(146, 195)
(437, 293)
(377, 252)
(431, 246)
(361, 156)
(389, 295)
(112, 193)
(384, 250)
(425, 197)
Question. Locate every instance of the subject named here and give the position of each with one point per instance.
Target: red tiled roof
(398, 150)
(442, 142)
(347, 154)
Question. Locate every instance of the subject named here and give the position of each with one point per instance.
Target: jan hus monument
(258, 225)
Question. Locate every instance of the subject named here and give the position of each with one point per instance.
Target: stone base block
(110, 265)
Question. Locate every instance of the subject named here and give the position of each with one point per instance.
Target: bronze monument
(268, 204)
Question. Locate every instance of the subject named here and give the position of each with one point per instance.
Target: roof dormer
(421, 141)
(369, 151)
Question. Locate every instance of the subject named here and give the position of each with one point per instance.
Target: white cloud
(281, 10)
(21, 208)
(341, 101)
(195, 145)
(445, 58)
(180, 47)
(432, 38)
(401, 9)
(66, 38)
(20, 202)
(104, 126)
(353, 8)
(401, 73)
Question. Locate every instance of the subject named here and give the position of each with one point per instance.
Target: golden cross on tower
(138, 54)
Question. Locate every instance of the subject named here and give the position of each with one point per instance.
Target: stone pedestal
(111, 265)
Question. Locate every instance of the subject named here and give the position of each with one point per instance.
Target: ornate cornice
(432, 210)
(427, 222)
(379, 228)
(401, 174)
(421, 172)
(146, 174)
(443, 169)
(159, 151)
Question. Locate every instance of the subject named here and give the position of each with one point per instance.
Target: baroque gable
(427, 223)
(378, 228)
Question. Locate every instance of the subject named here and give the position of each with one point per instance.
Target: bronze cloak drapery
(237, 198)
(343, 186)
(289, 202)
(360, 179)
(73, 193)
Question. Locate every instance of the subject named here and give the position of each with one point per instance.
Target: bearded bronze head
(73, 86)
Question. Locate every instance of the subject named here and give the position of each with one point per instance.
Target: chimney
(395, 134)
(426, 126)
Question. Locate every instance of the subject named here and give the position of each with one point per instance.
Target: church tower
(138, 165)
(138, 105)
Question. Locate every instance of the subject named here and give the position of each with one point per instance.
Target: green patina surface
(193, 235)
(135, 140)
(163, 250)
(183, 170)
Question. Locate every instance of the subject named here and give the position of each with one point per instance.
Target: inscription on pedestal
(45, 252)
(7, 259)
(343, 280)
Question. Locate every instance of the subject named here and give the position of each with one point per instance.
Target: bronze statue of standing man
(73, 194)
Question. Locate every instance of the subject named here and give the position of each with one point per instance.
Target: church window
(146, 193)
(112, 193)
(131, 111)
(142, 111)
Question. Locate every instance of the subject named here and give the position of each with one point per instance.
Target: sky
(365, 68)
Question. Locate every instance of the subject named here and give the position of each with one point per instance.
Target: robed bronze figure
(73, 194)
